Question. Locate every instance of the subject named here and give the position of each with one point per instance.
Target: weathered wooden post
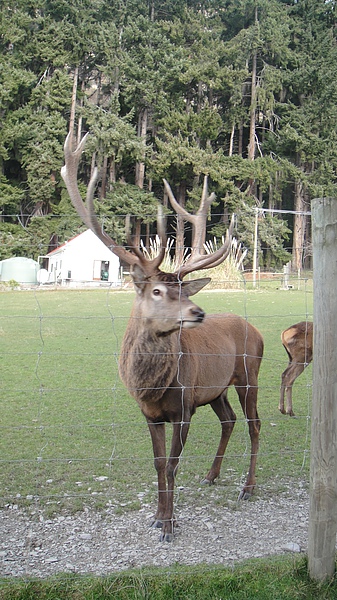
(255, 246)
(286, 274)
(323, 465)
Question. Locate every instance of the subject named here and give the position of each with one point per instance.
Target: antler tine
(69, 175)
(199, 234)
(161, 232)
(151, 265)
(198, 260)
(86, 212)
(208, 261)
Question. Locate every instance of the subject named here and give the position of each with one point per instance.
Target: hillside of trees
(244, 91)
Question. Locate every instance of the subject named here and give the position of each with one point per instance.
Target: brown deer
(297, 341)
(173, 357)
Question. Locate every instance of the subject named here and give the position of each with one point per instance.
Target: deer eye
(156, 292)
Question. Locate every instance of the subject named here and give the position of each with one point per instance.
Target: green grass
(281, 578)
(72, 436)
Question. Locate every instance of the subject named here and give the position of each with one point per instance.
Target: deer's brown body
(298, 343)
(207, 364)
(198, 367)
(173, 357)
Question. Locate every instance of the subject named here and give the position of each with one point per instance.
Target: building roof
(63, 246)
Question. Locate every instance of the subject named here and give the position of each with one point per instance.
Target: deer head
(157, 286)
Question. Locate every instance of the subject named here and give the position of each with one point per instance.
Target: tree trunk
(252, 126)
(251, 145)
(151, 11)
(80, 118)
(137, 233)
(147, 236)
(231, 141)
(73, 104)
(240, 139)
(299, 227)
(140, 166)
(180, 231)
(112, 173)
(104, 177)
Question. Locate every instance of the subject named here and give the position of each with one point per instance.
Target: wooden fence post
(323, 463)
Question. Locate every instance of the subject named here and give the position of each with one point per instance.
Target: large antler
(198, 258)
(87, 213)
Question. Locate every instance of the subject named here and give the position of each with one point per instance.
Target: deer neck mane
(148, 360)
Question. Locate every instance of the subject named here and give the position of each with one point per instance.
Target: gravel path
(101, 542)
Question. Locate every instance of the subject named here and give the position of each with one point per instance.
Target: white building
(83, 260)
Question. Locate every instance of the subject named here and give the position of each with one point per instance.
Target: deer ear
(138, 278)
(194, 286)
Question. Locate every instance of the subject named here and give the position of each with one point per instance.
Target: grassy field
(281, 578)
(71, 435)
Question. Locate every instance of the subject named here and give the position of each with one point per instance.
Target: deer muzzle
(195, 317)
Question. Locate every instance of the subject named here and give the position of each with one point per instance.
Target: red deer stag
(174, 358)
(297, 341)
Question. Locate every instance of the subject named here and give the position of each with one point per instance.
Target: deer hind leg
(282, 391)
(288, 377)
(227, 418)
(248, 400)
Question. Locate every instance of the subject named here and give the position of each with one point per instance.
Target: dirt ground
(102, 542)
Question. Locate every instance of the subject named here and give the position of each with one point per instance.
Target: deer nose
(198, 313)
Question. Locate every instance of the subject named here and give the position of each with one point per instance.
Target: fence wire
(72, 439)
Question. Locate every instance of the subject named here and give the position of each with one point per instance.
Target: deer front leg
(227, 418)
(157, 432)
(179, 435)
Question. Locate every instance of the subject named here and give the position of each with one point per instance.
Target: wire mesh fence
(74, 442)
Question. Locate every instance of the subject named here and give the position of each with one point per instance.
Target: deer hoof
(166, 537)
(207, 481)
(244, 495)
(157, 524)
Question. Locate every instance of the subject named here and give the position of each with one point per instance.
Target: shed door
(97, 269)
